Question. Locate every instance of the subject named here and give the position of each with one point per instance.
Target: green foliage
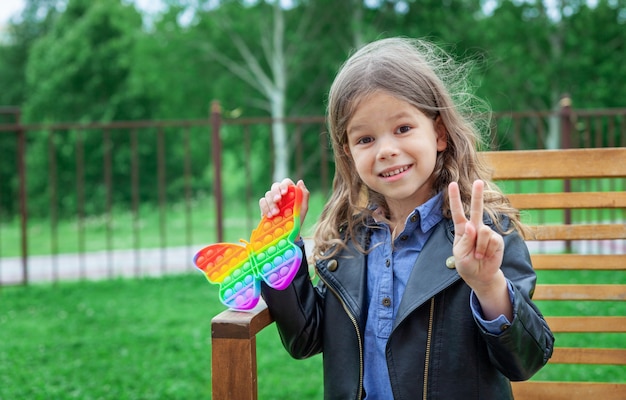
(101, 61)
(593, 39)
(533, 55)
(97, 60)
(80, 71)
(35, 22)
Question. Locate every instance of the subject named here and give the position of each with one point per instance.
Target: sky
(8, 8)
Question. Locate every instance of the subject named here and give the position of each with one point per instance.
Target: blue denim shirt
(388, 270)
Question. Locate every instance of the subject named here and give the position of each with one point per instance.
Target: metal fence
(94, 200)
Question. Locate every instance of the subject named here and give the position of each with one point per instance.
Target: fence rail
(134, 198)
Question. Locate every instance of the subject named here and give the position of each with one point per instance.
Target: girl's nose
(387, 147)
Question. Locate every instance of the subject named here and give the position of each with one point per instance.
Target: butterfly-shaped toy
(271, 255)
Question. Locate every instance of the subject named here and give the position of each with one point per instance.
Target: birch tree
(270, 82)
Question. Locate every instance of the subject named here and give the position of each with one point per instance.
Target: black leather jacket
(436, 349)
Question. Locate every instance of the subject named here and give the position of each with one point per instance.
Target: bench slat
(536, 390)
(580, 292)
(578, 232)
(557, 164)
(579, 261)
(572, 200)
(587, 324)
(577, 355)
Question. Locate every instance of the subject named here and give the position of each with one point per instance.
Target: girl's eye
(403, 129)
(365, 140)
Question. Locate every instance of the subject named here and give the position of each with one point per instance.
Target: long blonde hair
(425, 76)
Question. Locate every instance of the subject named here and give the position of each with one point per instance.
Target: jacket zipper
(358, 334)
(428, 346)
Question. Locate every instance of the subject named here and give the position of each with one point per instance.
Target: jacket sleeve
(525, 346)
(297, 311)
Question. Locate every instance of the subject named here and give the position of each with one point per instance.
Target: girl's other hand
(267, 204)
(478, 251)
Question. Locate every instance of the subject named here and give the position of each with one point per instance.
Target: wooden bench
(560, 250)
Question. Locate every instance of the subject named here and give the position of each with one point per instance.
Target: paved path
(99, 265)
(175, 260)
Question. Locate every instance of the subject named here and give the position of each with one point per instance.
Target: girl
(415, 299)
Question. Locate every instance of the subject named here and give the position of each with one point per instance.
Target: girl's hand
(478, 252)
(268, 203)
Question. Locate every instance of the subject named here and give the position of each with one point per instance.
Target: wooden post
(233, 358)
(21, 168)
(566, 142)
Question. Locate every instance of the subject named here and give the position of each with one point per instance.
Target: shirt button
(386, 302)
(413, 218)
(504, 327)
(387, 263)
(332, 265)
(404, 237)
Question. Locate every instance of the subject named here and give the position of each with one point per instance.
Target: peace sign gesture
(478, 251)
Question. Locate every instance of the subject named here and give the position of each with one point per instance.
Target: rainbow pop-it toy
(271, 255)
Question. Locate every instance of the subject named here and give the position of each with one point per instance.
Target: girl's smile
(395, 172)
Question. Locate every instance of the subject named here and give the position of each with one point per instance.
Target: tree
(592, 70)
(34, 22)
(273, 50)
(81, 70)
(265, 71)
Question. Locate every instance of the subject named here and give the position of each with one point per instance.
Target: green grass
(150, 339)
(128, 339)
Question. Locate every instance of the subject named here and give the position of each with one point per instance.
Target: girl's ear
(346, 149)
(442, 134)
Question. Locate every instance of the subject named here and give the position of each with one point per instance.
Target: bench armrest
(233, 358)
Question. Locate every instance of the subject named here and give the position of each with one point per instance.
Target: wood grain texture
(557, 164)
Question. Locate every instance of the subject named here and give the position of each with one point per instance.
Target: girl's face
(394, 148)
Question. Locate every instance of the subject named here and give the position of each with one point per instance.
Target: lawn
(128, 339)
(149, 338)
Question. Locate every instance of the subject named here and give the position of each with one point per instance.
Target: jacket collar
(346, 275)
(428, 277)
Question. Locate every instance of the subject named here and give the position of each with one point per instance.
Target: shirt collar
(429, 213)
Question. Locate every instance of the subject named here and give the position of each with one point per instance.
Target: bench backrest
(580, 264)
(576, 200)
